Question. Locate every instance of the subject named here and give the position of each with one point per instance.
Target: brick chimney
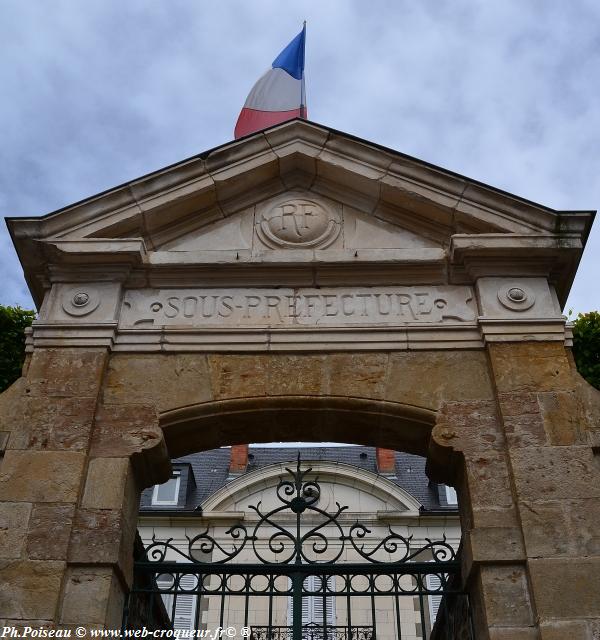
(386, 461)
(239, 458)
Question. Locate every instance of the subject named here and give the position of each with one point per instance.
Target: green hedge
(13, 321)
(586, 346)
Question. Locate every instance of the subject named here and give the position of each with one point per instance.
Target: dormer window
(167, 494)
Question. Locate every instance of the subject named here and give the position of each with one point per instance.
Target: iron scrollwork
(398, 547)
(324, 542)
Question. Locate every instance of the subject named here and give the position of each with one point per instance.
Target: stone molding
(298, 318)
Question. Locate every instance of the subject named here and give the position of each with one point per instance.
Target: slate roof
(210, 472)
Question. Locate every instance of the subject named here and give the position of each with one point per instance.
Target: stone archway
(418, 308)
(297, 418)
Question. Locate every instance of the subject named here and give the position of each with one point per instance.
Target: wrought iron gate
(308, 577)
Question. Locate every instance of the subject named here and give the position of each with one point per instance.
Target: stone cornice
(191, 310)
(554, 256)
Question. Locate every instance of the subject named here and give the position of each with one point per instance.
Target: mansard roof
(211, 473)
(466, 228)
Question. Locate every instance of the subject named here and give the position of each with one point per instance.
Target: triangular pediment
(382, 184)
(231, 234)
(296, 219)
(301, 187)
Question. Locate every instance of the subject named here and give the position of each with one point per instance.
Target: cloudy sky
(98, 92)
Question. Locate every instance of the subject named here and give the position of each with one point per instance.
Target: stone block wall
(68, 494)
(551, 420)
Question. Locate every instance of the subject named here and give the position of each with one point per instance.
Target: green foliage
(586, 346)
(13, 321)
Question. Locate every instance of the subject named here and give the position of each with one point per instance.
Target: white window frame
(451, 496)
(159, 503)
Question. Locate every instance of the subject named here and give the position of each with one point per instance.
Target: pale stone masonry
(302, 284)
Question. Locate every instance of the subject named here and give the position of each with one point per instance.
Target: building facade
(210, 492)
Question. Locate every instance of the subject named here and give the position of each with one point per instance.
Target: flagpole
(302, 87)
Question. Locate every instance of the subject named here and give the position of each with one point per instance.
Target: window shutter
(307, 613)
(307, 601)
(312, 605)
(330, 601)
(167, 598)
(317, 607)
(185, 608)
(434, 583)
(318, 616)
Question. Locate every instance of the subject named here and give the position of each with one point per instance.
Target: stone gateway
(302, 284)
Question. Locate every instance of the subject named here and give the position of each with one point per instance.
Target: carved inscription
(298, 222)
(289, 307)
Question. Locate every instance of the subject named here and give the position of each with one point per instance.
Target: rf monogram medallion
(298, 222)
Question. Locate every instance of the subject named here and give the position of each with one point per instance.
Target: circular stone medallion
(300, 223)
(80, 301)
(516, 297)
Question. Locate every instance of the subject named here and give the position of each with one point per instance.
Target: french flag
(279, 94)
